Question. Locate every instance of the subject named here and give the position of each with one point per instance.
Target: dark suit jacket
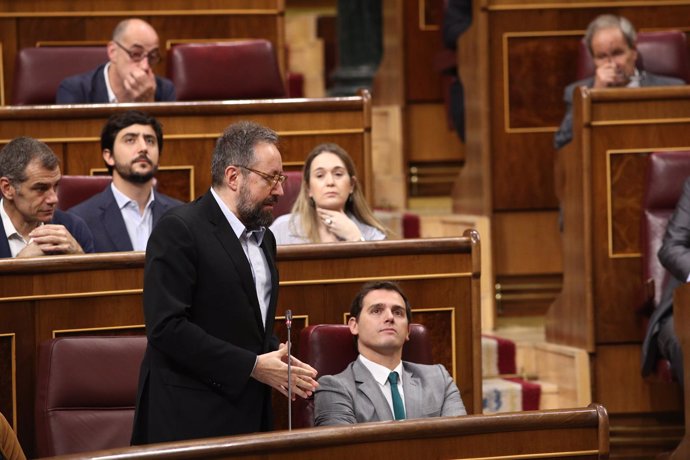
(89, 88)
(353, 396)
(75, 225)
(104, 218)
(674, 255)
(204, 330)
(565, 133)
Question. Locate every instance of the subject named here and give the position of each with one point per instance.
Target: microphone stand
(288, 324)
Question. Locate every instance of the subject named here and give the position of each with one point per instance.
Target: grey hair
(236, 147)
(608, 21)
(16, 156)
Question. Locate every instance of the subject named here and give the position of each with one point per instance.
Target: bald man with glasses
(127, 76)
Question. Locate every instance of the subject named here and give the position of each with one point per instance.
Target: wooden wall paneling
(101, 294)
(422, 41)
(35, 23)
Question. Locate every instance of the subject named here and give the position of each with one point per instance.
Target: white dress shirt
(14, 239)
(139, 226)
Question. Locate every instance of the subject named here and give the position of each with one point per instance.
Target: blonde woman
(330, 206)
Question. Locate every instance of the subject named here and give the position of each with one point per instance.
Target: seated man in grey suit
(378, 385)
(122, 217)
(127, 76)
(611, 41)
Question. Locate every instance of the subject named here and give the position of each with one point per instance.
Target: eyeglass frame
(155, 53)
(273, 180)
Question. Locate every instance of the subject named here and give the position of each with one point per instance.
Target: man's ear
(112, 48)
(108, 157)
(232, 174)
(352, 324)
(407, 337)
(6, 188)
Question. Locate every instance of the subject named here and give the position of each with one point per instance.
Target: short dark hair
(356, 307)
(236, 147)
(18, 153)
(119, 121)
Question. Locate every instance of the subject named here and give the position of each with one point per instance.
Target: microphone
(288, 324)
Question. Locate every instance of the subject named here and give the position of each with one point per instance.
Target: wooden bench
(563, 433)
(91, 294)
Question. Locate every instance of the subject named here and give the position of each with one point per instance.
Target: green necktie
(398, 406)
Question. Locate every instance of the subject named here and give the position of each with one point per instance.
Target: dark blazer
(89, 88)
(674, 255)
(74, 224)
(103, 216)
(353, 396)
(204, 330)
(565, 132)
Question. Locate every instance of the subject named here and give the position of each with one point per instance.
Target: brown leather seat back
(243, 69)
(39, 71)
(291, 189)
(85, 393)
(666, 174)
(75, 189)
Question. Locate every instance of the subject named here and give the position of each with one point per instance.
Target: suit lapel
(370, 391)
(235, 252)
(413, 394)
(113, 222)
(4, 244)
(158, 208)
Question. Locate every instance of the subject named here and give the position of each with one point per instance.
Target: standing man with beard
(122, 217)
(210, 294)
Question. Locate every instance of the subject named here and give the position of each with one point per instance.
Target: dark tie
(398, 406)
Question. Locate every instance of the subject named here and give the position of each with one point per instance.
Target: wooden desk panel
(191, 128)
(565, 433)
(101, 294)
(605, 166)
(65, 23)
(516, 60)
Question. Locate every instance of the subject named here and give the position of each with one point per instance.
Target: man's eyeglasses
(273, 180)
(137, 54)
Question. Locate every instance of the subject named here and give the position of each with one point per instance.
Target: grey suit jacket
(674, 255)
(104, 218)
(353, 396)
(565, 133)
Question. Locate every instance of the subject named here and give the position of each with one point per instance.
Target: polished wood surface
(190, 130)
(564, 433)
(84, 22)
(101, 294)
